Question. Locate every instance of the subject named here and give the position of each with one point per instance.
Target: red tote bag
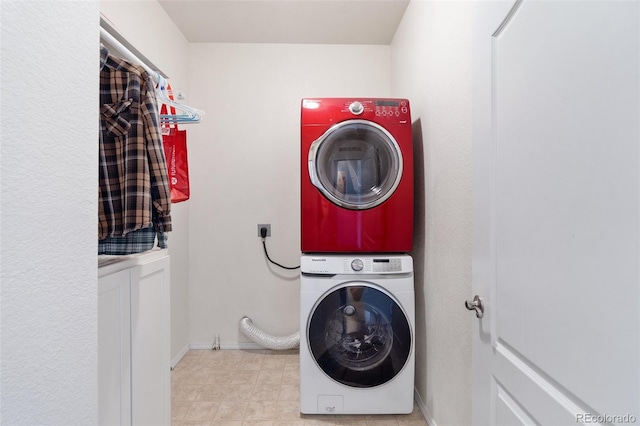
(174, 142)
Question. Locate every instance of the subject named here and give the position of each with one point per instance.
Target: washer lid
(357, 164)
(359, 335)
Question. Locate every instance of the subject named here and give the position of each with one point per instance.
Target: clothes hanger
(189, 114)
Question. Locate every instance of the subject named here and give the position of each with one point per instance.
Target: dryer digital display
(387, 103)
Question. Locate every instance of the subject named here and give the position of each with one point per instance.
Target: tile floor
(252, 388)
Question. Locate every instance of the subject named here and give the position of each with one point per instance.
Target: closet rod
(120, 47)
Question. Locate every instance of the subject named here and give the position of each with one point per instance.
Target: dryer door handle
(311, 163)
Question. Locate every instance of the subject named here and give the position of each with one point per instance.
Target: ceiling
(287, 21)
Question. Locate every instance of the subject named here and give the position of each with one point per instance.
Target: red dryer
(357, 175)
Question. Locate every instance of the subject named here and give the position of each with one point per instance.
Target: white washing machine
(357, 315)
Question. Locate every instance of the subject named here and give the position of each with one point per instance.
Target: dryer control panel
(391, 108)
(380, 108)
(385, 111)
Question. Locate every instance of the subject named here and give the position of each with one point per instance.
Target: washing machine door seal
(356, 164)
(359, 335)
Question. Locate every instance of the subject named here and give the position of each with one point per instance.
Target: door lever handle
(475, 305)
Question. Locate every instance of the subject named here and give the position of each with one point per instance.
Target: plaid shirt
(134, 188)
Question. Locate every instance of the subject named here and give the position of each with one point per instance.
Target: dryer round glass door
(359, 335)
(356, 164)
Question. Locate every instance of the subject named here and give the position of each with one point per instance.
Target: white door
(557, 212)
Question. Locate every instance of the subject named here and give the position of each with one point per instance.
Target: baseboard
(423, 408)
(179, 357)
(227, 345)
(248, 346)
(201, 345)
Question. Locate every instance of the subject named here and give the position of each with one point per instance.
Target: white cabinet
(114, 349)
(134, 382)
(150, 344)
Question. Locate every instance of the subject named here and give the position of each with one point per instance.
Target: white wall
(245, 164)
(49, 128)
(431, 65)
(139, 22)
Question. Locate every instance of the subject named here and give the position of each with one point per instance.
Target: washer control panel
(377, 265)
(374, 265)
(356, 264)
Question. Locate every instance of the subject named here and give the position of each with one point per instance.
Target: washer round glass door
(359, 335)
(356, 164)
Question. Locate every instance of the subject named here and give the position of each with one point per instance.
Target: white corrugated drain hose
(266, 340)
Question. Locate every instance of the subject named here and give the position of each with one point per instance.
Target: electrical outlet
(264, 225)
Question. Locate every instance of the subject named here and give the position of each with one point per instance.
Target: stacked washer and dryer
(357, 300)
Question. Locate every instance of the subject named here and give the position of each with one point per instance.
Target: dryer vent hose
(266, 340)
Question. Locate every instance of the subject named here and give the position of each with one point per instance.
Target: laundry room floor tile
(253, 388)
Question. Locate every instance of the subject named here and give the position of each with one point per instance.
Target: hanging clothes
(133, 187)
